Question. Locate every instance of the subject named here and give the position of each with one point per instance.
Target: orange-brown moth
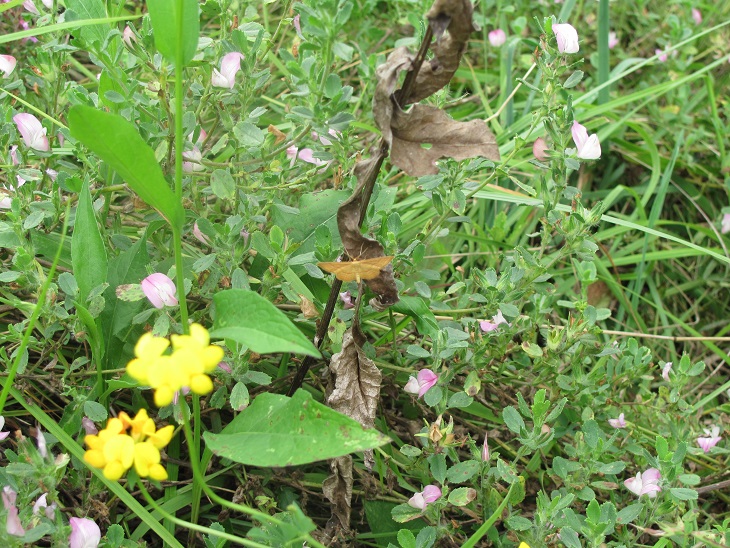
(349, 271)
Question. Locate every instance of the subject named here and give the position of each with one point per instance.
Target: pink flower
(485, 449)
(725, 223)
(89, 426)
(430, 493)
(41, 441)
(567, 38)
(297, 26)
(230, 65)
(588, 148)
(225, 367)
(160, 290)
(7, 64)
(14, 155)
(30, 6)
(612, 40)
(202, 238)
(194, 156)
(497, 37)
(646, 483)
(665, 371)
(538, 149)
(697, 16)
(128, 36)
(497, 320)
(43, 503)
(324, 140)
(662, 55)
(305, 155)
(346, 298)
(84, 533)
(620, 422)
(12, 523)
(33, 133)
(422, 384)
(3, 435)
(711, 440)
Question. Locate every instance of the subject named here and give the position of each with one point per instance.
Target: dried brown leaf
(358, 246)
(447, 139)
(337, 487)
(451, 22)
(387, 77)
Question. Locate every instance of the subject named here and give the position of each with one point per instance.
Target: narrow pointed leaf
(166, 25)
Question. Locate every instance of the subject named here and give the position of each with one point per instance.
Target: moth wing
(342, 271)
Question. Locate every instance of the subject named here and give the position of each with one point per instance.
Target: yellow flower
(192, 358)
(523, 545)
(115, 451)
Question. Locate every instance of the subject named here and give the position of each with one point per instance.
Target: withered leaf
(387, 77)
(454, 16)
(337, 487)
(358, 246)
(447, 139)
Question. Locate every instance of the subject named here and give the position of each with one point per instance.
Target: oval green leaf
(165, 19)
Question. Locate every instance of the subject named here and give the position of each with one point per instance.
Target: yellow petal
(201, 384)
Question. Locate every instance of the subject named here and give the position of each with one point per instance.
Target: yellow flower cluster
(115, 451)
(189, 363)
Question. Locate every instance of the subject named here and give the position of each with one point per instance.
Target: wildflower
(567, 38)
(725, 223)
(422, 384)
(297, 26)
(160, 290)
(189, 364)
(3, 435)
(497, 320)
(202, 238)
(114, 450)
(711, 440)
(89, 426)
(7, 64)
(430, 493)
(30, 7)
(194, 156)
(665, 371)
(41, 502)
(128, 36)
(538, 149)
(662, 55)
(612, 40)
(497, 37)
(346, 298)
(84, 533)
(589, 148)
(41, 441)
(485, 449)
(697, 16)
(12, 523)
(230, 65)
(225, 367)
(645, 483)
(32, 132)
(620, 422)
(524, 544)
(324, 140)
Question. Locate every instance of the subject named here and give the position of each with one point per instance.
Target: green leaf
(416, 308)
(406, 539)
(683, 493)
(461, 496)
(512, 419)
(88, 254)
(437, 463)
(518, 523)
(165, 23)
(280, 431)
(118, 143)
(89, 9)
(630, 513)
(247, 318)
(95, 411)
(462, 471)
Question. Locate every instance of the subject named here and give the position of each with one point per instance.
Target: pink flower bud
(538, 150)
(160, 290)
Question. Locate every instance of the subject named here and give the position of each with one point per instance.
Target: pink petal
(651, 475)
(32, 132)
(230, 65)
(7, 64)
(431, 493)
(30, 6)
(417, 501)
(539, 148)
(426, 380)
(497, 37)
(665, 371)
(612, 40)
(725, 223)
(567, 38)
(160, 290)
(307, 155)
(412, 386)
(697, 16)
(12, 524)
(84, 533)
(485, 449)
(297, 26)
(634, 484)
(128, 36)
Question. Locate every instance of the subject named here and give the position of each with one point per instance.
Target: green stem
(476, 537)
(8, 382)
(603, 52)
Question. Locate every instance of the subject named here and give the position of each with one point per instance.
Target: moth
(354, 270)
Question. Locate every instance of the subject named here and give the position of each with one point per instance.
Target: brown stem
(401, 97)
